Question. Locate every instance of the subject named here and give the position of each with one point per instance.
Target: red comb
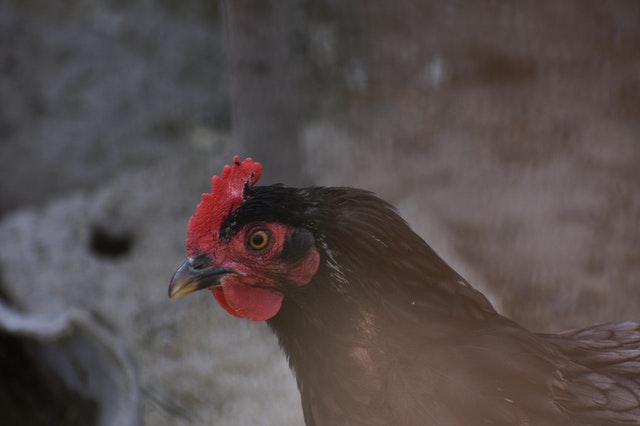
(227, 194)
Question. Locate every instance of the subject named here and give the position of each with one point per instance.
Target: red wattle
(256, 304)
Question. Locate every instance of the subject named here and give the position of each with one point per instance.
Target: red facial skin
(252, 291)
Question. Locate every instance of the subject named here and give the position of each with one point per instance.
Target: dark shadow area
(33, 395)
(109, 244)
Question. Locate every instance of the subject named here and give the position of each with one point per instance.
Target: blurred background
(506, 133)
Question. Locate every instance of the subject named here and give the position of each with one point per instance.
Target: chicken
(378, 329)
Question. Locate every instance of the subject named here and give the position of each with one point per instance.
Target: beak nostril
(198, 262)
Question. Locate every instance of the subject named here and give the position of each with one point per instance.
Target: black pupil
(257, 240)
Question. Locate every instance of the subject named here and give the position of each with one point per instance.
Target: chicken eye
(258, 239)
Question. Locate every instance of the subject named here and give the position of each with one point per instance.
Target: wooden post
(263, 96)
